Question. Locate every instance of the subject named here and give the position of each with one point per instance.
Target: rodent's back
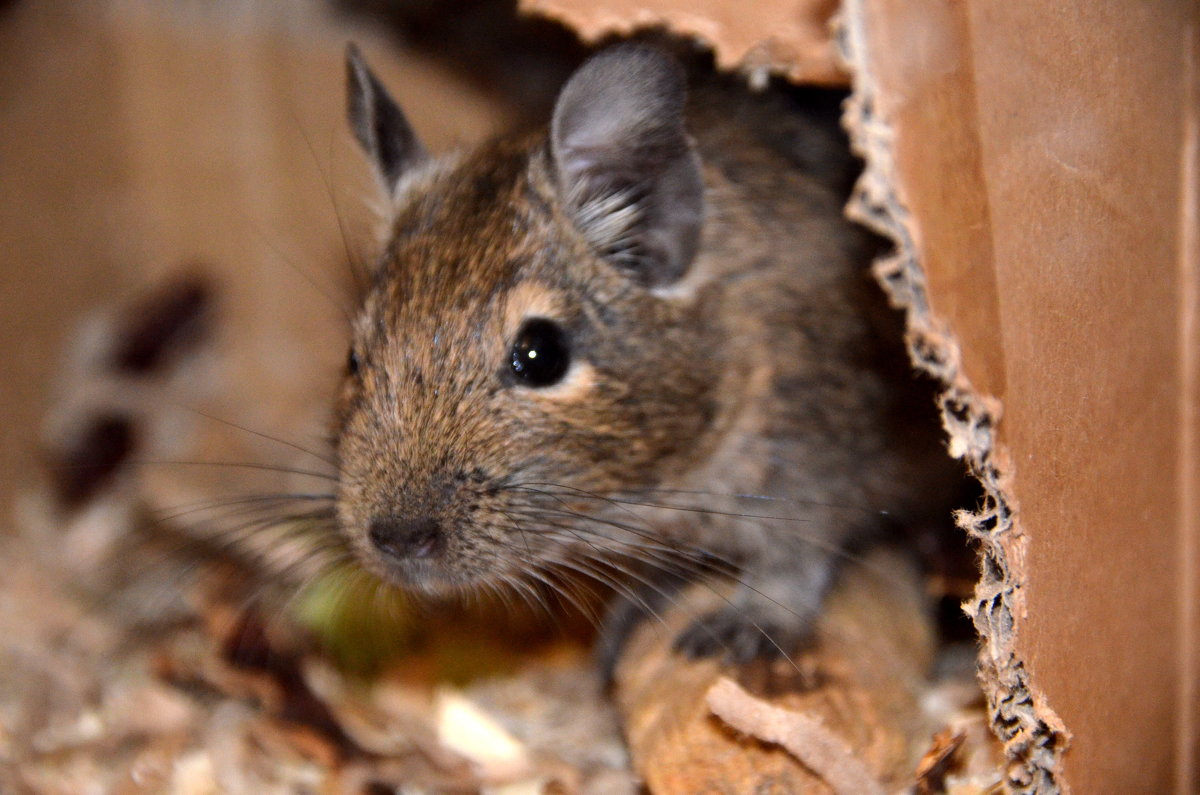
(798, 300)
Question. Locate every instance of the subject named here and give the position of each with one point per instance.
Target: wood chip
(805, 737)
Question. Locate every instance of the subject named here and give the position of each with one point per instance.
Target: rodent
(595, 339)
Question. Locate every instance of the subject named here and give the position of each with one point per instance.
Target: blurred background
(141, 140)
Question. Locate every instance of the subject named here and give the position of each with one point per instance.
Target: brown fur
(761, 372)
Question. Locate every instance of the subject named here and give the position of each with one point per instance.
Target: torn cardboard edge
(1035, 738)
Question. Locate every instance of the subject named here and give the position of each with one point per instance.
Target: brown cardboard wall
(41, 285)
(1068, 307)
(1092, 342)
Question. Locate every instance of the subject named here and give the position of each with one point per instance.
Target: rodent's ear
(625, 165)
(378, 123)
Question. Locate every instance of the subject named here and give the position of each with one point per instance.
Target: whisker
(496, 591)
(540, 575)
(651, 539)
(261, 435)
(523, 591)
(563, 592)
(834, 549)
(590, 565)
(687, 509)
(872, 512)
(645, 532)
(352, 264)
(591, 568)
(717, 592)
(235, 465)
(340, 306)
(266, 500)
(593, 495)
(675, 561)
(698, 560)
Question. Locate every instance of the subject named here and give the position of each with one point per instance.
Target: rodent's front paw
(738, 636)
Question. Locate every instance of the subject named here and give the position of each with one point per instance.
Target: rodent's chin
(422, 576)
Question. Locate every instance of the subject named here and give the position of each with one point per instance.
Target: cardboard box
(1037, 167)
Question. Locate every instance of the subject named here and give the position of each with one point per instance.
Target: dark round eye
(539, 355)
(353, 365)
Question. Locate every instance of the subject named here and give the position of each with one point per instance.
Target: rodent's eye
(539, 355)
(353, 364)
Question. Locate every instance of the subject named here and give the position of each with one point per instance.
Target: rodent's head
(519, 346)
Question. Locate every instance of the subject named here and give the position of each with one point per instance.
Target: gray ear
(625, 165)
(378, 123)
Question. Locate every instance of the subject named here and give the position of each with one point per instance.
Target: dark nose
(404, 537)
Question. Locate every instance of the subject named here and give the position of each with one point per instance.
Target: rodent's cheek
(346, 506)
(576, 385)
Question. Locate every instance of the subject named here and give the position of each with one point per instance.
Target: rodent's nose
(404, 537)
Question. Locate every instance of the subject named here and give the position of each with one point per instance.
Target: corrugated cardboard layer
(1034, 736)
